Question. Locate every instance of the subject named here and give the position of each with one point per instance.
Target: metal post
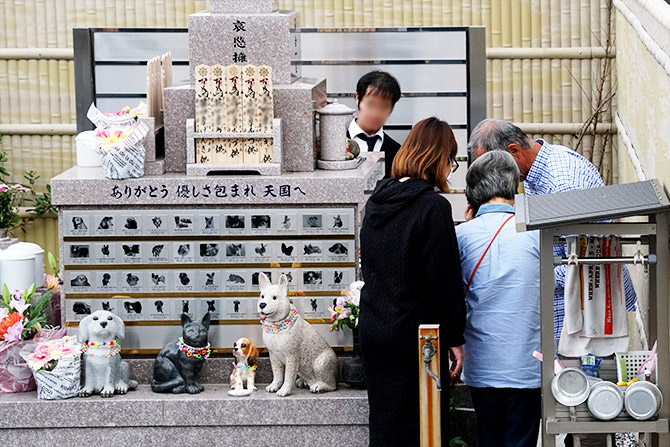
(547, 285)
(659, 313)
(429, 390)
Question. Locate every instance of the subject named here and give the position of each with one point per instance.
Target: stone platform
(213, 417)
(145, 418)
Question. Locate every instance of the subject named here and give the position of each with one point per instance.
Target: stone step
(215, 369)
(143, 417)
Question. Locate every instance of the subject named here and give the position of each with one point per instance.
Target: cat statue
(178, 365)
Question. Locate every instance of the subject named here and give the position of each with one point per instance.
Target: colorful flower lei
(190, 351)
(245, 367)
(273, 327)
(113, 346)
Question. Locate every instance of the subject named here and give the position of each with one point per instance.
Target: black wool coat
(412, 273)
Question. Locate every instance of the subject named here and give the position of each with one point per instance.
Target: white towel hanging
(573, 321)
(600, 300)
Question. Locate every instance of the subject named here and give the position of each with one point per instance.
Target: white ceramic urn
(17, 269)
(39, 259)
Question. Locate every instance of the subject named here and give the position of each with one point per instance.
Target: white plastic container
(39, 259)
(17, 269)
(87, 152)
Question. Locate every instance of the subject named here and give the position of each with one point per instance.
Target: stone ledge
(211, 408)
(233, 436)
(215, 370)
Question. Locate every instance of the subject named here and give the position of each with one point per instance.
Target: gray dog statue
(298, 354)
(104, 371)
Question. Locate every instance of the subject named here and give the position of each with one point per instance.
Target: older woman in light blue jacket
(501, 275)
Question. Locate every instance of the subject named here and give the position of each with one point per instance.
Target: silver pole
(651, 259)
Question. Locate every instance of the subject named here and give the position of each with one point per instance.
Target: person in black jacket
(412, 273)
(376, 95)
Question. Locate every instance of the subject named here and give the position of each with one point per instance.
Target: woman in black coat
(412, 273)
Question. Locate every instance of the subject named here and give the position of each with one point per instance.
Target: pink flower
(40, 357)
(18, 304)
(52, 283)
(65, 347)
(338, 313)
(343, 313)
(14, 331)
(20, 188)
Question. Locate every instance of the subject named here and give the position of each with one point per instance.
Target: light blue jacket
(503, 303)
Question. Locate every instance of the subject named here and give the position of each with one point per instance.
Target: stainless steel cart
(590, 211)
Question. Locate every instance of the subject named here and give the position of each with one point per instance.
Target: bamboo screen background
(544, 67)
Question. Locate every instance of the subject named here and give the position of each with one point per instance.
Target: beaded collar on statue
(244, 367)
(190, 351)
(273, 327)
(108, 348)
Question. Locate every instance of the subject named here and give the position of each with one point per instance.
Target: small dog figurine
(244, 372)
(105, 373)
(178, 365)
(296, 348)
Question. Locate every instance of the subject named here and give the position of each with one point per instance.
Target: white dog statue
(105, 373)
(296, 348)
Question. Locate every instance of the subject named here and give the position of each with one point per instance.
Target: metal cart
(588, 212)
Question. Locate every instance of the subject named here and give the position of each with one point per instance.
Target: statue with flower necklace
(178, 365)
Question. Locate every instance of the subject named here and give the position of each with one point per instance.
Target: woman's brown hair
(426, 153)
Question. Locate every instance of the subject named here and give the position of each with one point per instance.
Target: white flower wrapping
(125, 159)
(124, 117)
(62, 382)
(122, 151)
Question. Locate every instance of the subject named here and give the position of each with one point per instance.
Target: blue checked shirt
(558, 169)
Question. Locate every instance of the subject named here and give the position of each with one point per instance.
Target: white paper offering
(62, 382)
(126, 158)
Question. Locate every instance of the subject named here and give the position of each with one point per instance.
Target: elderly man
(501, 274)
(545, 169)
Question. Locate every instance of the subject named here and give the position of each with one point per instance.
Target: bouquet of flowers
(120, 135)
(345, 310)
(22, 320)
(56, 366)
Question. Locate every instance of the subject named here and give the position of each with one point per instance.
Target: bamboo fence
(543, 66)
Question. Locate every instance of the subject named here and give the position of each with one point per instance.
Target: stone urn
(334, 120)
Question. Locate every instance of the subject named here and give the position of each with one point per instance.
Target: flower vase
(352, 370)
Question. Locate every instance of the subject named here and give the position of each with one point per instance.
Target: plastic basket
(627, 364)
